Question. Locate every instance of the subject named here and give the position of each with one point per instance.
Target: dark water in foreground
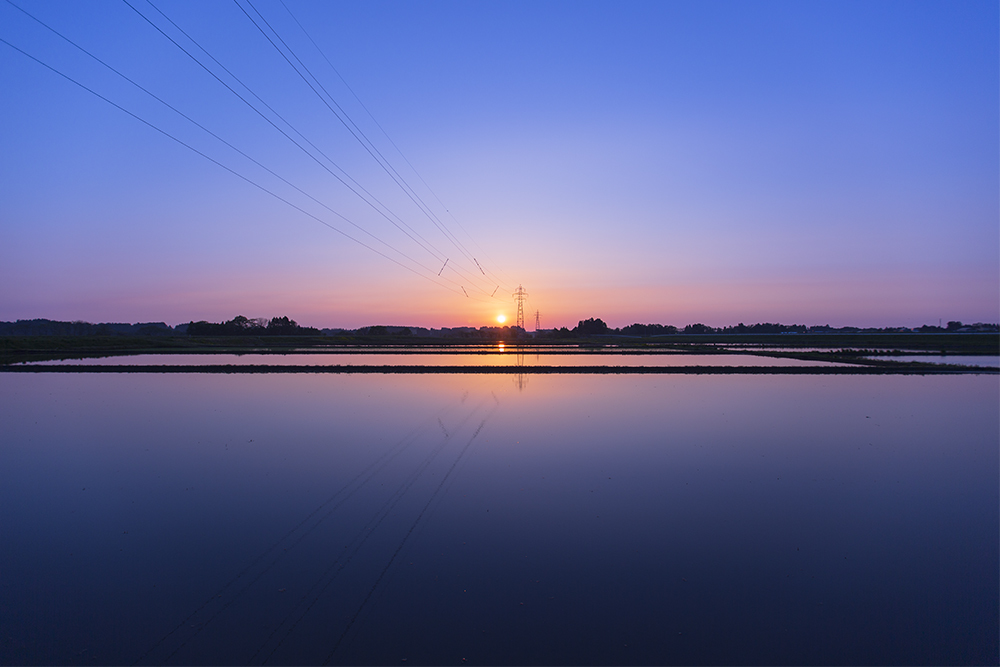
(429, 519)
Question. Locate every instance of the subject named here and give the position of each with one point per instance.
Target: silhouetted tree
(648, 329)
(591, 327)
(764, 328)
(243, 326)
(281, 326)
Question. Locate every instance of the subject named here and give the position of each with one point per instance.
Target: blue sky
(656, 162)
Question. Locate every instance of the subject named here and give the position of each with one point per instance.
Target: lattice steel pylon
(538, 320)
(520, 295)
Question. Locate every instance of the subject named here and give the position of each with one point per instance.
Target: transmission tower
(538, 320)
(520, 295)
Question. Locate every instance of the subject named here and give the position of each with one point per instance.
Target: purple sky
(817, 163)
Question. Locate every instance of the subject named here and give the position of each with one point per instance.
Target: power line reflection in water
(360, 518)
(395, 482)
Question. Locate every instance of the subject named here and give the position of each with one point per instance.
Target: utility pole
(520, 295)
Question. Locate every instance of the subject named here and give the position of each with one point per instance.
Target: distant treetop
(243, 326)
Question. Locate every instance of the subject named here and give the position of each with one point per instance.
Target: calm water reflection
(506, 358)
(577, 519)
(988, 361)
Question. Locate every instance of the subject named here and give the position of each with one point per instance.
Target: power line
(340, 114)
(386, 135)
(363, 140)
(213, 134)
(219, 164)
(434, 253)
(448, 233)
(422, 242)
(261, 30)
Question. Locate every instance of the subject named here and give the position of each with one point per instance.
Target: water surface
(986, 361)
(399, 519)
(493, 358)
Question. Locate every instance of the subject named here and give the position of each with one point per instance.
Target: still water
(401, 519)
(493, 358)
(984, 360)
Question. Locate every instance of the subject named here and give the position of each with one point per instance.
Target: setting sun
(501, 318)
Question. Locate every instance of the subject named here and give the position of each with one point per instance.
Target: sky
(656, 162)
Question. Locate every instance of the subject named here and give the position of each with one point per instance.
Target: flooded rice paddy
(488, 519)
(984, 361)
(482, 358)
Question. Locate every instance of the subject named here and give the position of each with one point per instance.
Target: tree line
(597, 327)
(244, 326)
